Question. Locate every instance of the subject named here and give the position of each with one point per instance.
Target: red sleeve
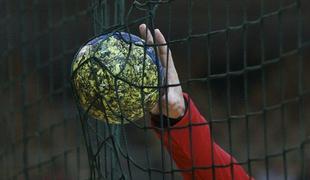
(192, 149)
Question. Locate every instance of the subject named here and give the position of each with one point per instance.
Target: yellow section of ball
(108, 77)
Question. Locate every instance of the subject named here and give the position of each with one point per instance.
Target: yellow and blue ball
(116, 78)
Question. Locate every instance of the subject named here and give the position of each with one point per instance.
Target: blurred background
(244, 63)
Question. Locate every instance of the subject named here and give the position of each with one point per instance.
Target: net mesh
(245, 65)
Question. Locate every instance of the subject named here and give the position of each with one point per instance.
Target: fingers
(166, 58)
(174, 95)
(160, 39)
(163, 51)
(146, 34)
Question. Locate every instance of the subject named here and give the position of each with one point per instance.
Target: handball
(115, 78)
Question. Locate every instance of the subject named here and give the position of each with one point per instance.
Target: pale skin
(174, 96)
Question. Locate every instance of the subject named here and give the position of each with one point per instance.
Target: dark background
(244, 63)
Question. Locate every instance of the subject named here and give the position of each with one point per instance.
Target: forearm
(195, 153)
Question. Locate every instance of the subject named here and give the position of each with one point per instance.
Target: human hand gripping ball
(115, 78)
(174, 96)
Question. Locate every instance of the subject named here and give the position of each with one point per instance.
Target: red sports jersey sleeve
(195, 153)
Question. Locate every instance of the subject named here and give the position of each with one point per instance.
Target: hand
(174, 95)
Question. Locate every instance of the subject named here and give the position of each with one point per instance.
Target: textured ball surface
(115, 79)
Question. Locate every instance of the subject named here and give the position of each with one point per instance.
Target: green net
(245, 65)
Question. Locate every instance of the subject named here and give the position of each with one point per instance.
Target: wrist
(161, 120)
